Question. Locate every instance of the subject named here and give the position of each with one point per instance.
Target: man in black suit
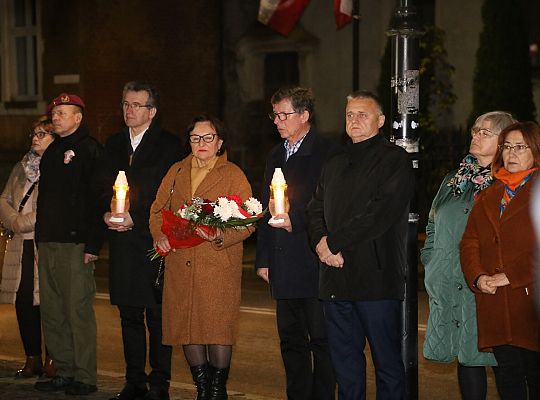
(284, 257)
(145, 152)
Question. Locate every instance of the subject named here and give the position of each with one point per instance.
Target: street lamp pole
(405, 93)
(356, 45)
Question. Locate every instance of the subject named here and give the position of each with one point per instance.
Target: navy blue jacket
(293, 266)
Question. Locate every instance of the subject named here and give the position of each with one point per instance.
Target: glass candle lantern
(278, 203)
(120, 199)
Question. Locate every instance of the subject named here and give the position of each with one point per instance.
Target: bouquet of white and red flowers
(225, 213)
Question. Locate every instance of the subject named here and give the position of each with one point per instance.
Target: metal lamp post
(405, 89)
(356, 45)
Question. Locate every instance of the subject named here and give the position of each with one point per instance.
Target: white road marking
(249, 310)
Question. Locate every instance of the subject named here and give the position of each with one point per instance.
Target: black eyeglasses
(134, 106)
(282, 116)
(39, 135)
(208, 138)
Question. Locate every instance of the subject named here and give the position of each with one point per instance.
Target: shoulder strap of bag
(171, 191)
(27, 196)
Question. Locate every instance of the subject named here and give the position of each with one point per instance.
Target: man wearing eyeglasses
(145, 152)
(68, 247)
(284, 257)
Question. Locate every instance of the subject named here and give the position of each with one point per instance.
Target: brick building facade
(92, 47)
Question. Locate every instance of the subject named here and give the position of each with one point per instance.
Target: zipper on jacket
(379, 266)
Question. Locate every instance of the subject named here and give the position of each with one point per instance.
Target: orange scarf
(512, 179)
(512, 184)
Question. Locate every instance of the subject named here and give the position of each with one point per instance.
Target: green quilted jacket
(451, 330)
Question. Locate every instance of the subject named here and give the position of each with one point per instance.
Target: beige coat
(19, 224)
(201, 296)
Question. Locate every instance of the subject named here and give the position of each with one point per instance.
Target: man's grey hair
(302, 99)
(137, 86)
(365, 94)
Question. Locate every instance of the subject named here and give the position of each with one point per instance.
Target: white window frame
(8, 60)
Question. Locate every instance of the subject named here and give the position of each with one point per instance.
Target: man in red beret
(68, 247)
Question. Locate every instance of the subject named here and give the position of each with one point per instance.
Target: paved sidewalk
(108, 385)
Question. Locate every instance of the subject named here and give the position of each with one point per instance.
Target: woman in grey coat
(451, 330)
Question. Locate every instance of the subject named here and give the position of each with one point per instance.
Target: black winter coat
(131, 274)
(292, 264)
(362, 204)
(66, 207)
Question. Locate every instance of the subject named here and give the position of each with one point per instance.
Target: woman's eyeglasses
(39, 135)
(482, 133)
(518, 148)
(208, 138)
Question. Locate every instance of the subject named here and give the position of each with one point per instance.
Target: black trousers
(304, 349)
(518, 372)
(134, 338)
(28, 315)
(350, 323)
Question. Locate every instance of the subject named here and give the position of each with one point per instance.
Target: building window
(280, 69)
(266, 62)
(20, 60)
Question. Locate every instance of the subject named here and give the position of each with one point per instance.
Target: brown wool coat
(201, 296)
(493, 244)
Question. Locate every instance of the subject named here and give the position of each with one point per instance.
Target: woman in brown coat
(20, 283)
(201, 297)
(497, 257)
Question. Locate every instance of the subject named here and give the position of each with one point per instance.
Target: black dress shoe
(80, 389)
(53, 385)
(131, 392)
(157, 393)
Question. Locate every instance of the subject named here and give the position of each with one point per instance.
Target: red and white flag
(343, 10)
(281, 15)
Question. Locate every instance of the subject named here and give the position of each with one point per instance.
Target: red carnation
(207, 207)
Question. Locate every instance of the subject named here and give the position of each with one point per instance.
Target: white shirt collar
(135, 141)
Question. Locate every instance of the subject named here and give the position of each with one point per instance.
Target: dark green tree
(502, 77)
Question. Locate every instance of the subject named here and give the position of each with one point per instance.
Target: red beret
(65, 99)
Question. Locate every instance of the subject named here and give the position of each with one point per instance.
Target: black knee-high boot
(202, 381)
(218, 379)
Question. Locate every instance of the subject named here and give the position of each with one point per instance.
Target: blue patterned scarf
(470, 171)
